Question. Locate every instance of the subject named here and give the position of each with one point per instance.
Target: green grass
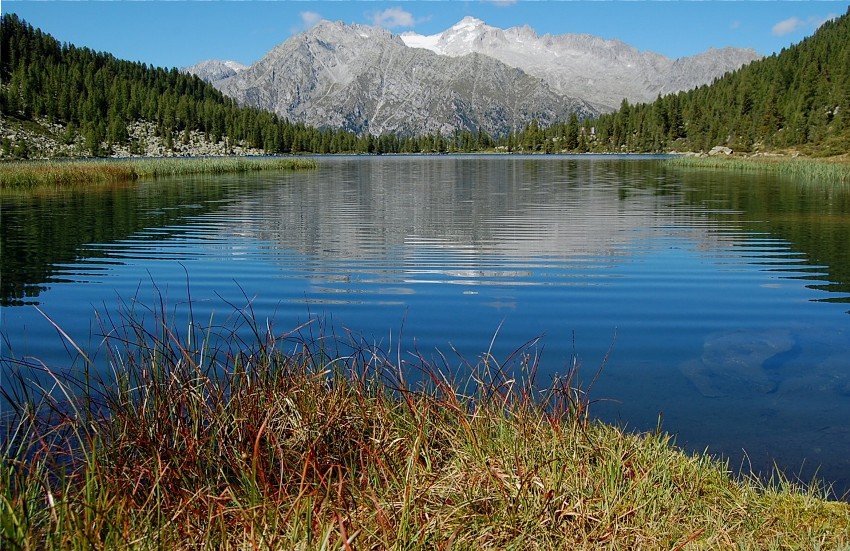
(822, 170)
(32, 174)
(306, 440)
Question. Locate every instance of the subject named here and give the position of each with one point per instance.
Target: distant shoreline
(64, 172)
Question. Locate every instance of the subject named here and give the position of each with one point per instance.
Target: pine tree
(571, 136)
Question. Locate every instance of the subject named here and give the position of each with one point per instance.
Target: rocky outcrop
(719, 150)
(44, 140)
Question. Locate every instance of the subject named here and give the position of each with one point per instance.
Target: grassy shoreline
(835, 170)
(32, 174)
(309, 441)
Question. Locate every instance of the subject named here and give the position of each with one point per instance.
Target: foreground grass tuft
(30, 174)
(822, 170)
(304, 441)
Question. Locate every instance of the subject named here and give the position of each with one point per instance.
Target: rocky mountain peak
(467, 28)
(337, 31)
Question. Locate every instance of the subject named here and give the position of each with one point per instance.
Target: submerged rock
(734, 361)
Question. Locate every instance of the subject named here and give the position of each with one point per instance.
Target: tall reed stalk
(204, 439)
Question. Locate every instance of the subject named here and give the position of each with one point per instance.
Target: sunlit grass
(306, 440)
(821, 170)
(31, 174)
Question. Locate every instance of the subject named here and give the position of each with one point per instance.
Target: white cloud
(787, 26)
(794, 24)
(310, 18)
(503, 2)
(392, 18)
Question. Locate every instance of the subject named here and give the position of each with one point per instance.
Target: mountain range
(582, 65)
(471, 76)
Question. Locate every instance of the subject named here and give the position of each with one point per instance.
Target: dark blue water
(718, 300)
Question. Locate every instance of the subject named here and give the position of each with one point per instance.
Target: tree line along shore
(23, 175)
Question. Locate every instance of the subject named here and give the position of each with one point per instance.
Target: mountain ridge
(626, 72)
(365, 79)
(56, 95)
(343, 76)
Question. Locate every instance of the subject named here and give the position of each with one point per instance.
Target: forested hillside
(797, 98)
(98, 96)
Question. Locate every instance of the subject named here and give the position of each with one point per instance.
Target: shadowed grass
(309, 440)
(30, 174)
(822, 170)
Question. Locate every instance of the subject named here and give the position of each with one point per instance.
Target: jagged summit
(466, 30)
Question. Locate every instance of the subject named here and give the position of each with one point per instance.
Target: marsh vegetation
(30, 174)
(821, 170)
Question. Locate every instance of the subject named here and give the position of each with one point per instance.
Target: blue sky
(180, 33)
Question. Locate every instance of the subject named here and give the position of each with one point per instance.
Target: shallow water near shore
(717, 299)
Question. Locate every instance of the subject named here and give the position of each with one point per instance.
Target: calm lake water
(723, 297)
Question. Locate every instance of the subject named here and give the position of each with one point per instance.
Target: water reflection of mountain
(360, 210)
(523, 208)
(45, 231)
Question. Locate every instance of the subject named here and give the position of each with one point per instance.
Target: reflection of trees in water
(518, 207)
(48, 229)
(361, 209)
(814, 218)
(544, 207)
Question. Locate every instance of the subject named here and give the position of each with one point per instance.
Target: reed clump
(810, 169)
(32, 174)
(305, 440)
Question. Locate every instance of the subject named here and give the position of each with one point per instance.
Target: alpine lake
(714, 304)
